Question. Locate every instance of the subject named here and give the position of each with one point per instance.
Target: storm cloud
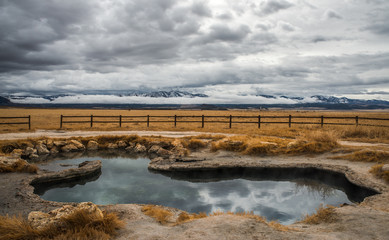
(222, 48)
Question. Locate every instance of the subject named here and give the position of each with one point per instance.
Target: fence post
(120, 121)
(60, 125)
(29, 122)
(259, 121)
(356, 121)
(230, 121)
(175, 120)
(322, 121)
(202, 121)
(91, 120)
(290, 120)
(148, 120)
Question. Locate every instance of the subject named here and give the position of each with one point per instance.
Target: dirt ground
(367, 220)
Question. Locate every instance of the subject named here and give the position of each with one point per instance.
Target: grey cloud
(225, 33)
(331, 14)
(27, 28)
(320, 38)
(225, 16)
(272, 6)
(379, 21)
(286, 26)
(201, 9)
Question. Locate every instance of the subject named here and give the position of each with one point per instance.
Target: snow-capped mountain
(166, 94)
(186, 97)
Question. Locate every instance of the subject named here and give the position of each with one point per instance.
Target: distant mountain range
(315, 101)
(154, 94)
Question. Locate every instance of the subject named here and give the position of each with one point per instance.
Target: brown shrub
(322, 215)
(79, 225)
(377, 171)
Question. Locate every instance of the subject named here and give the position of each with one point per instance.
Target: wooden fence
(9, 121)
(230, 120)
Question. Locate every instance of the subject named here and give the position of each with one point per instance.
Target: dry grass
(187, 217)
(315, 142)
(79, 225)
(50, 118)
(365, 134)
(19, 166)
(157, 212)
(310, 142)
(366, 156)
(194, 144)
(377, 171)
(162, 215)
(323, 215)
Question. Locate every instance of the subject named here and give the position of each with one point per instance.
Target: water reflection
(278, 195)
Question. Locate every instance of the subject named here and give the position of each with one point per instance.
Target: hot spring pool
(277, 194)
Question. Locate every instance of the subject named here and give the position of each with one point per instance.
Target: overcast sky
(294, 48)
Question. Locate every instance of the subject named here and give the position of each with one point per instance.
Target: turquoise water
(125, 180)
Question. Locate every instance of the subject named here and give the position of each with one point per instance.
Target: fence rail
(230, 120)
(10, 122)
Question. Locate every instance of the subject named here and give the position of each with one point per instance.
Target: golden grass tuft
(365, 133)
(366, 156)
(160, 214)
(19, 166)
(79, 225)
(233, 144)
(194, 144)
(187, 217)
(257, 147)
(323, 215)
(377, 171)
(315, 142)
(157, 212)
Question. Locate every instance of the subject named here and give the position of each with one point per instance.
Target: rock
(69, 148)
(42, 149)
(54, 150)
(157, 160)
(121, 144)
(17, 153)
(49, 144)
(59, 143)
(76, 143)
(112, 146)
(385, 167)
(92, 145)
(164, 153)
(292, 145)
(139, 148)
(91, 209)
(33, 156)
(154, 149)
(29, 150)
(130, 147)
(87, 169)
(41, 220)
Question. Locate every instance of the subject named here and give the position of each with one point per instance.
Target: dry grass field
(50, 119)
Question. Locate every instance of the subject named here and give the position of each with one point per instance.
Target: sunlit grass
(79, 225)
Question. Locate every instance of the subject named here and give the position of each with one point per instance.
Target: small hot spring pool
(277, 194)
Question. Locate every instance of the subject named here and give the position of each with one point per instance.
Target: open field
(50, 119)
